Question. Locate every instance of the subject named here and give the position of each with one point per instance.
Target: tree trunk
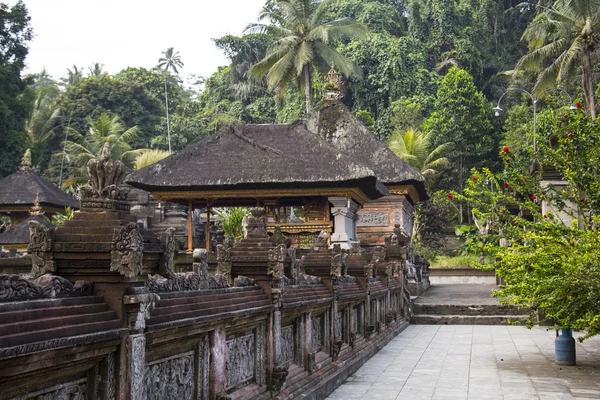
(588, 85)
(167, 107)
(308, 89)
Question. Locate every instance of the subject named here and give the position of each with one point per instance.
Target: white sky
(122, 33)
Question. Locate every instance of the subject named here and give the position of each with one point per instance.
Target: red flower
(505, 185)
(565, 116)
(545, 216)
(474, 178)
(523, 179)
(533, 197)
(449, 195)
(578, 105)
(505, 149)
(507, 160)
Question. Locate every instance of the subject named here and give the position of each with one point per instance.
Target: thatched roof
(258, 157)
(336, 123)
(20, 234)
(21, 188)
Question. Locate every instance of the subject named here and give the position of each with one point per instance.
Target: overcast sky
(122, 33)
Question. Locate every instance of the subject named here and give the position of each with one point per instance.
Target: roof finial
(26, 163)
(36, 209)
(334, 88)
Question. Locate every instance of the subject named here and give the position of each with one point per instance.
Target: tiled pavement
(455, 362)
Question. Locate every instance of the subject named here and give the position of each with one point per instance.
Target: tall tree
(96, 70)
(14, 99)
(565, 39)
(304, 40)
(170, 61)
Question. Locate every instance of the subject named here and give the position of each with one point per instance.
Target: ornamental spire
(334, 88)
(36, 209)
(26, 163)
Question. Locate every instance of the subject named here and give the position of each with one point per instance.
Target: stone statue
(127, 250)
(320, 242)
(165, 267)
(334, 88)
(40, 247)
(257, 224)
(277, 258)
(224, 261)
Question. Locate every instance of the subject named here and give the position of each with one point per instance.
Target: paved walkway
(458, 294)
(474, 362)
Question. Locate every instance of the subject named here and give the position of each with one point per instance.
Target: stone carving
(294, 263)
(167, 240)
(240, 360)
(354, 320)
(278, 237)
(257, 224)
(355, 249)
(277, 258)
(372, 219)
(280, 372)
(369, 270)
(317, 334)
(136, 357)
(336, 265)
(105, 177)
(243, 281)
(180, 282)
(335, 350)
(16, 288)
(346, 280)
(76, 390)
(222, 396)
(320, 242)
(127, 251)
(352, 340)
(41, 238)
(170, 379)
(307, 280)
(334, 88)
(139, 307)
(287, 345)
(338, 325)
(224, 261)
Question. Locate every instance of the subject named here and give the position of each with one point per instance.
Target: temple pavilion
(25, 195)
(347, 182)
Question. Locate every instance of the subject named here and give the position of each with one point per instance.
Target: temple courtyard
(474, 362)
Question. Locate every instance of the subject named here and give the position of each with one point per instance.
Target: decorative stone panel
(317, 333)
(354, 320)
(75, 390)
(372, 219)
(240, 360)
(287, 345)
(170, 378)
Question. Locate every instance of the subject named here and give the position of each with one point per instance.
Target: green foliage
(232, 221)
(366, 118)
(15, 33)
(545, 238)
(432, 219)
(461, 261)
(59, 219)
(150, 157)
(462, 117)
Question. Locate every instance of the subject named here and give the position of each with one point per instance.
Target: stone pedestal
(343, 211)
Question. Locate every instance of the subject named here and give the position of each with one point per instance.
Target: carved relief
(280, 372)
(240, 360)
(105, 177)
(40, 246)
(15, 288)
(354, 321)
(181, 282)
(317, 333)
(224, 261)
(336, 265)
(287, 345)
(170, 379)
(372, 219)
(277, 257)
(76, 390)
(127, 251)
(338, 325)
(257, 224)
(167, 240)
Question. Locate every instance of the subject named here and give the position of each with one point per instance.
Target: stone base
(417, 288)
(99, 205)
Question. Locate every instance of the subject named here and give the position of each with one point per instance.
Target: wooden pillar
(190, 230)
(208, 203)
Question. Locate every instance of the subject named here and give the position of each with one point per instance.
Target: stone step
(21, 316)
(55, 322)
(467, 319)
(466, 309)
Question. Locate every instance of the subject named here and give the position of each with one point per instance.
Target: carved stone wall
(240, 360)
(354, 320)
(75, 390)
(317, 333)
(372, 219)
(170, 378)
(287, 345)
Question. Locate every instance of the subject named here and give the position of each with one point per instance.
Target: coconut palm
(41, 122)
(96, 70)
(414, 147)
(170, 61)
(303, 40)
(79, 149)
(150, 157)
(565, 37)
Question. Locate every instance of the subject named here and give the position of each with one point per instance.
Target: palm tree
(74, 76)
(150, 157)
(40, 124)
(414, 147)
(303, 43)
(82, 148)
(171, 60)
(566, 37)
(96, 70)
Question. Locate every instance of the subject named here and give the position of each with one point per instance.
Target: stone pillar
(276, 333)
(308, 340)
(218, 374)
(343, 211)
(136, 353)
